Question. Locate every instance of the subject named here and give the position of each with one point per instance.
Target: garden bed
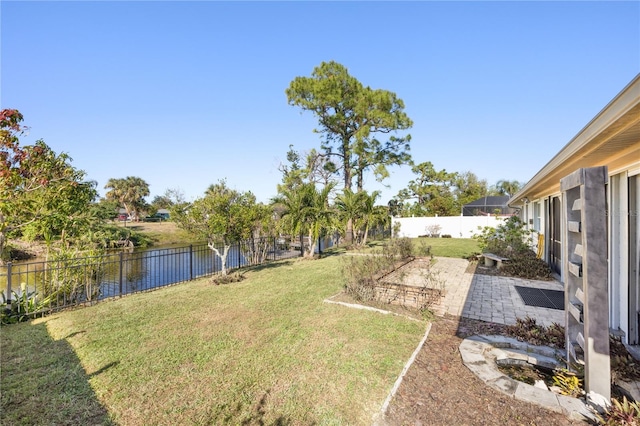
(410, 285)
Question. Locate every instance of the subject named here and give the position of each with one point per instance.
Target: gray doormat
(552, 299)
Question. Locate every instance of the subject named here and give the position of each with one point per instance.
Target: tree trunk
(3, 237)
(346, 158)
(366, 234)
(312, 246)
(348, 235)
(223, 256)
(2, 243)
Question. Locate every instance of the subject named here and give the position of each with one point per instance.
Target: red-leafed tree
(39, 189)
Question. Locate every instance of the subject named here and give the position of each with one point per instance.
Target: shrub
(511, 236)
(568, 383)
(399, 247)
(362, 272)
(623, 413)
(23, 306)
(623, 364)
(528, 330)
(445, 236)
(433, 230)
(525, 264)
(72, 276)
(395, 233)
(512, 240)
(423, 249)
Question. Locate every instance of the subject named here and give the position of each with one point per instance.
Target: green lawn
(442, 247)
(266, 350)
(450, 247)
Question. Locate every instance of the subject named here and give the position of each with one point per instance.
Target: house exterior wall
(623, 201)
(611, 139)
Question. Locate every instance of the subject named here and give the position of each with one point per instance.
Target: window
(536, 217)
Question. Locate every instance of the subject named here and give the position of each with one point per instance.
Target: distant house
(122, 215)
(611, 139)
(163, 213)
(487, 206)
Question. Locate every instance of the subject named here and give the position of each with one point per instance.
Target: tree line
(322, 191)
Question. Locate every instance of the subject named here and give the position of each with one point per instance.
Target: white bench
(491, 259)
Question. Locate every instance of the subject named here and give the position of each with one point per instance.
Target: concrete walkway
(488, 297)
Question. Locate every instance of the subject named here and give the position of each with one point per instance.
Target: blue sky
(183, 94)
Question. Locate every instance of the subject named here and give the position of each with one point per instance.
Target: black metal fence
(47, 286)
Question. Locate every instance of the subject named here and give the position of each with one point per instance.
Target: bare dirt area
(439, 389)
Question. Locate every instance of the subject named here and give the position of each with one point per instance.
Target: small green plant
(362, 272)
(427, 314)
(568, 383)
(625, 413)
(23, 306)
(423, 249)
(396, 230)
(399, 247)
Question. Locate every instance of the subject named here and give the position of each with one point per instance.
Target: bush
(423, 249)
(445, 236)
(433, 230)
(24, 306)
(399, 247)
(621, 413)
(528, 330)
(509, 237)
(525, 264)
(512, 240)
(362, 272)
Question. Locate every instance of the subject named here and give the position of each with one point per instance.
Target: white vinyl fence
(456, 226)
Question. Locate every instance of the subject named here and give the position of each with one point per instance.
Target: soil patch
(439, 389)
(22, 250)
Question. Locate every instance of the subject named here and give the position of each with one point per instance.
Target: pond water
(127, 271)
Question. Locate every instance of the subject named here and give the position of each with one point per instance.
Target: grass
(441, 247)
(161, 233)
(266, 350)
(449, 247)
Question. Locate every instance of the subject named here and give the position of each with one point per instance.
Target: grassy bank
(161, 234)
(263, 351)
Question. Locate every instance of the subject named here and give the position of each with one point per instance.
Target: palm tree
(508, 187)
(349, 205)
(371, 215)
(129, 192)
(305, 210)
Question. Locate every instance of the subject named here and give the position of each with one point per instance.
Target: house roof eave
(622, 109)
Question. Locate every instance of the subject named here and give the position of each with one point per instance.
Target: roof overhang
(611, 139)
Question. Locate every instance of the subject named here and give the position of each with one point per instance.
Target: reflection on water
(122, 272)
